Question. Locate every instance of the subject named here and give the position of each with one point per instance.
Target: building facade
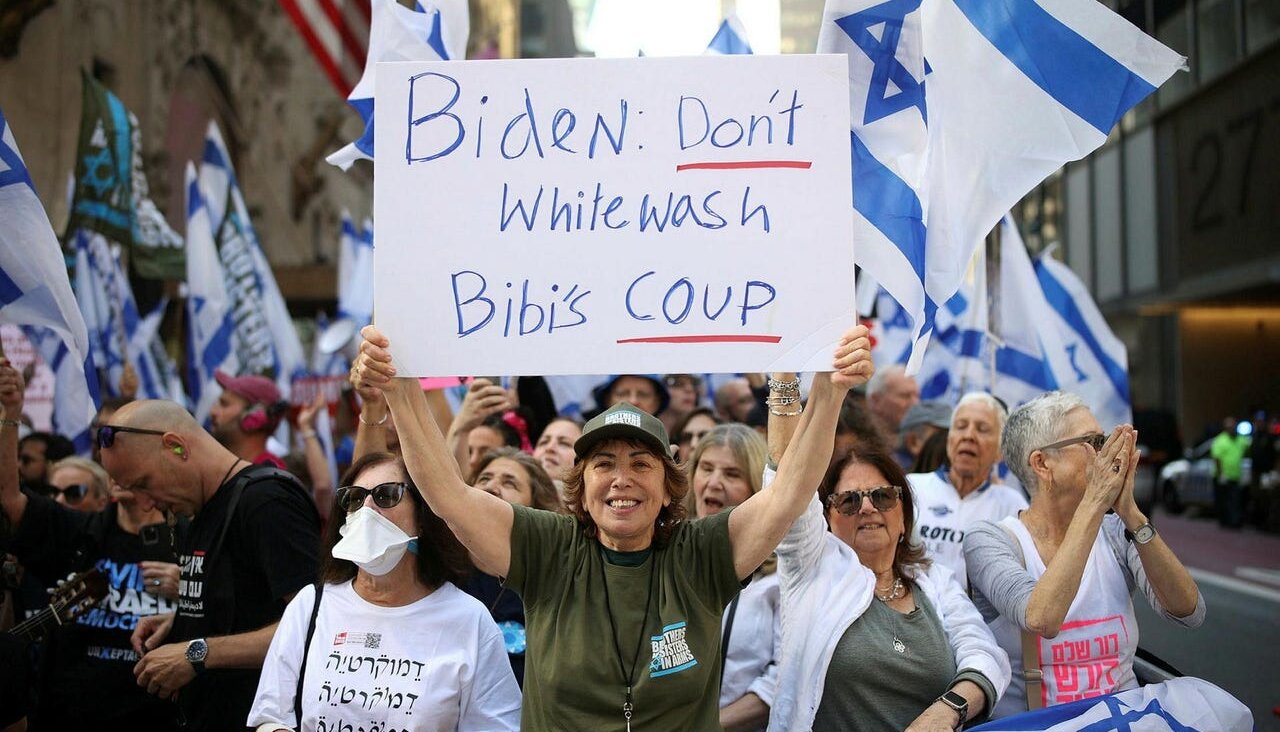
(1171, 223)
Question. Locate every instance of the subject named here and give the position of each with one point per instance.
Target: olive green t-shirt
(572, 680)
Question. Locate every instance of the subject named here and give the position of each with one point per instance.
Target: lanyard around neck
(628, 677)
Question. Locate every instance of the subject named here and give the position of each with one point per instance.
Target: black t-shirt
(88, 664)
(507, 610)
(270, 550)
(14, 679)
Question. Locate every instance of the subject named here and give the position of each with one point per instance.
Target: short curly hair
(669, 518)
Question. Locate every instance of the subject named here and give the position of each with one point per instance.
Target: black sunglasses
(883, 498)
(72, 493)
(107, 433)
(385, 495)
(1095, 440)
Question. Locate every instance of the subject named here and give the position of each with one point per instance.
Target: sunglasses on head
(385, 495)
(1095, 440)
(883, 498)
(72, 493)
(107, 434)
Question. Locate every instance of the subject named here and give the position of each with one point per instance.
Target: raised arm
(1172, 584)
(322, 486)
(1057, 587)
(484, 398)
(756, 526)
(482, 522)
(783, 420)
(12, 389)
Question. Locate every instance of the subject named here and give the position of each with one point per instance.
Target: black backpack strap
(244, 479)
(306, 650)
(728, 632)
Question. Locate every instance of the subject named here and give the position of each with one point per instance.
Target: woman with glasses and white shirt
(386, 640)
(1064, 570)
(875, 636)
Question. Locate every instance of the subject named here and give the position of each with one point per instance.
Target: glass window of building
(1079, 232)
(1261, 23)
(1108, 205)
(1140, 225)
(1217, 38)
(1171, 20)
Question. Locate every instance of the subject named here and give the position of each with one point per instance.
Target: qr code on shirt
(372, 640)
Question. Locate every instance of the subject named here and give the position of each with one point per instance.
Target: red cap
(256, 389)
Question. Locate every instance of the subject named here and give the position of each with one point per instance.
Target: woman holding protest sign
(625, 559)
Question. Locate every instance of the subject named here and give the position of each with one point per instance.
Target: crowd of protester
(828, 553)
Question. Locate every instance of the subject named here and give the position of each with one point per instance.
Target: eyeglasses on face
(107, 434)
(72, 493)
(1095, 440)
(385, 495)
(883, 498)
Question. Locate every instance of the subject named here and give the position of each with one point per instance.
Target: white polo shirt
(942, 517)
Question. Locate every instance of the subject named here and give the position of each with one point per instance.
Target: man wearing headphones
(246, 414)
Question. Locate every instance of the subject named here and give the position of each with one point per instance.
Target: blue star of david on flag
(883, 52)
(12, 169)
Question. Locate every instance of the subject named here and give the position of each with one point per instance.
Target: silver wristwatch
(1142, 535)
(197, 652)
(957, 703)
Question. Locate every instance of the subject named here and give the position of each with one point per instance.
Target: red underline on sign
(747, 165)
(705, 339)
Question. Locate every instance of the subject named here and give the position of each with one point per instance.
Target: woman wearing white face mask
(391, 643)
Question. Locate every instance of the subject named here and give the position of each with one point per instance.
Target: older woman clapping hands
(1055, 582)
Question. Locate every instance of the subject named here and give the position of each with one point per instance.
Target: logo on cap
(630, 418)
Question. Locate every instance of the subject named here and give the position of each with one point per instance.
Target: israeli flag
(118, 335)
(358, 277)
(1096, 361)
(433, 32)
(1029, 355)
(35, 293)
(730, 39)
(229, 217)
(962, 106)
(209, 317)
(1184, 704)
(955, 363)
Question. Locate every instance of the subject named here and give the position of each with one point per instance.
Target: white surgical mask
(373, 542)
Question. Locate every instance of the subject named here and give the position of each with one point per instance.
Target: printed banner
(587, 216)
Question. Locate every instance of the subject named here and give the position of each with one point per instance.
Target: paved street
(1239, 575)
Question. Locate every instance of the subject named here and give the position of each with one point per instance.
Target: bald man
(251, 546)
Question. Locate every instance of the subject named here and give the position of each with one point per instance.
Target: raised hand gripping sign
(604, 216)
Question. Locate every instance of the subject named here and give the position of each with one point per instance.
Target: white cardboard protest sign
(583, 216)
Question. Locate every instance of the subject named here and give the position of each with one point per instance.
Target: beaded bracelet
(784, 386)
(796, 413)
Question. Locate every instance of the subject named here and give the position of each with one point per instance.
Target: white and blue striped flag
(1027, 348)
(35, 293)
(266, 340)
(433, 32)
(1097, 362)
(962, 106)
(117, 333)
(1184, 704)
(730, 38)
(210, 321)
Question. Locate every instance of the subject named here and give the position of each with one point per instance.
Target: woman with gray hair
(725, 469)
(1055, 582)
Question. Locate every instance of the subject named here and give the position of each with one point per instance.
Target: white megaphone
(340, 335)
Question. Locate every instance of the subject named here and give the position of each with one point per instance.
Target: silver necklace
(895, 591)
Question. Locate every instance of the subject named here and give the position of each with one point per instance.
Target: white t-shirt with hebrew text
(943, 517)
(436, 665)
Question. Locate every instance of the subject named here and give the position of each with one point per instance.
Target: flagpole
(994, 342)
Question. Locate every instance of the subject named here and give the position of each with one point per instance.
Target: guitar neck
(34, 627)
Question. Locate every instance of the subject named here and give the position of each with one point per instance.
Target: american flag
(337, 32)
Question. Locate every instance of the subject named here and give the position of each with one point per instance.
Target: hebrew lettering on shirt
(1083, 659)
